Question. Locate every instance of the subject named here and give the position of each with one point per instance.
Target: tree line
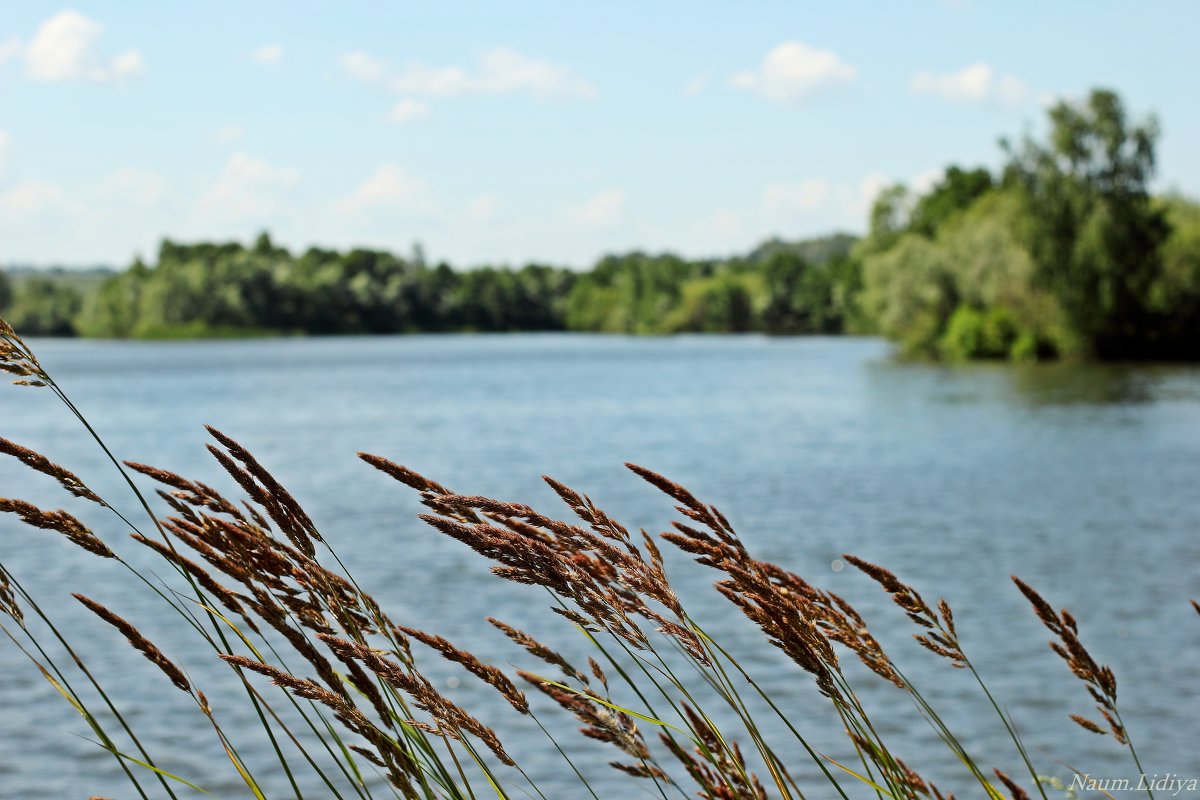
(206, 290)
(1063, 252)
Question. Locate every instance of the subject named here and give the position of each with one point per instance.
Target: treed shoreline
(1064, 253)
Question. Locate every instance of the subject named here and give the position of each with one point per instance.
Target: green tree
(722, 303)
(631, 293)
(1093, 230)
(1176, 295)
(800, 297)
(969, 291)
(957, 190)
(910, 291)
(44, 307)
(888, 220)
(6, 292)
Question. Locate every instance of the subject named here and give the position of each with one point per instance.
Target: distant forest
(1062, 253)
(207, 290)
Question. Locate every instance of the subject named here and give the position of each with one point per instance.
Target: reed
(266, 593)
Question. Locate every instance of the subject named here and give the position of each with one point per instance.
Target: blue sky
(503, 133)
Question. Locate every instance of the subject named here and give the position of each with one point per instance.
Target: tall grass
(337, 686)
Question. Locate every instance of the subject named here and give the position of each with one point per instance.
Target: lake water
(1083, 480)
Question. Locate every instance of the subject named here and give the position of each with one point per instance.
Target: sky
(551, 132)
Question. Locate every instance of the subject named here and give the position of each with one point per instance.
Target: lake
(1081, 479)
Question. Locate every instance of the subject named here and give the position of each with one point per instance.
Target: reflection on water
(1082, 479)
(1048, 384)
(1062, 384)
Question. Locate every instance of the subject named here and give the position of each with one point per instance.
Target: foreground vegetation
(263, 590)
(1063, 253)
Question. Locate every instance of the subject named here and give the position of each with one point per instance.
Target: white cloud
(482, 207)
(5, 140)
(247, 187)
(229, 133)
(501, 70)
(126, 66)
(64, 49)
(418, 78)
(135, 187)
(601, 210)
(32, 197)
(388, 186)
(363, 66)
(784, 199)
(505, 70)
(924, 181)
(723, 223)
(695, 86)
(976, 83)
(871, 185)
(723, 230)
(792, 71)
(268, 53)
(409, 110)
(857, 198)
(10, 50)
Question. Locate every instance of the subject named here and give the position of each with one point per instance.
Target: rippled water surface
(1083, 480)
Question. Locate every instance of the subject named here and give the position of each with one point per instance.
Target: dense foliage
(229, 289)
(209, 289)
(1063, 253)
(775, 290)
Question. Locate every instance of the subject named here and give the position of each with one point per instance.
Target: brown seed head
(1099, 679)
(301, 687)
(202, 577)
(718, 768)
(485, 672)
(59, 521)
(405, 475)
(8, 599)
(38, 462)
(139, 642)
(1017, 792)
(537, 649)
(601, 721)
(450, 718)
(17, 359)
(288, 514)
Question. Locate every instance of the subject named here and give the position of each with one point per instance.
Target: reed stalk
(350, 676)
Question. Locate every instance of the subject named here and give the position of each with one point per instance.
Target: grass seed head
(138, 642)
